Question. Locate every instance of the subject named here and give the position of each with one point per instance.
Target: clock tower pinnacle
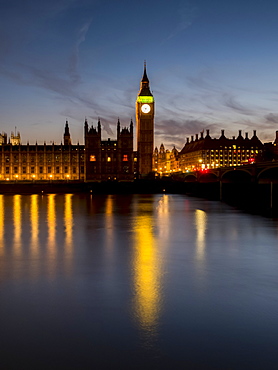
(145, 126)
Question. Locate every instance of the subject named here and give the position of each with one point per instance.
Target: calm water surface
(139, 281)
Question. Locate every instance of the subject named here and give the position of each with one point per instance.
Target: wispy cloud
(271, 117)
(74, 59)
(230, 101)
(105, 125)
(187, 14)
(175, 131)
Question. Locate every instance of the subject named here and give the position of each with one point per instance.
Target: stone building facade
(96, 160)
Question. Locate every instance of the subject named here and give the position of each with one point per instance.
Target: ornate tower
(145, 126)
(93, 167)
(67, 140)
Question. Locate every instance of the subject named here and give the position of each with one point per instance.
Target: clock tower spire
(145, 126)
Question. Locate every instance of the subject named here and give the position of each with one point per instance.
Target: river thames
(136, 281)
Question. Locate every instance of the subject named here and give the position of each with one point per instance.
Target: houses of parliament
(100, 160)
(96, 160)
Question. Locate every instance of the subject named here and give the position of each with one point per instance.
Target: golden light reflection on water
(146, 273)
(17, 223)
(201, 226)
(68, 221)
(2, 224)
(109, 222)
(68, 225)
(34, 219)
(51, 223)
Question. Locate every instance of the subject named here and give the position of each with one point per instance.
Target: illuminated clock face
(145, 108)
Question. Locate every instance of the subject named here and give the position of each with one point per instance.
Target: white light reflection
(201, 226)
(163, 222)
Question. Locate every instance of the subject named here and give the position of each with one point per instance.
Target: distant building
(205, 152)
(166, 161)
(15, 138)
(271, 150)
(3, 138)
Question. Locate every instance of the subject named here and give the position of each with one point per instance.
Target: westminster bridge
(253, 186)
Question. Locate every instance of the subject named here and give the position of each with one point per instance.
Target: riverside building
(204, 152)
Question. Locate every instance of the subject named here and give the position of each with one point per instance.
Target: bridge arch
(208, 177)
(267, 175)
(236, 176)
(190, 177)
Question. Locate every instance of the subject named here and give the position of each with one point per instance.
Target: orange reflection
(1, 224)
(34, 218)
(109, 221)
(146, 273)
(17, 223)
(68, 220)
(51, 222)
(68, 225)
(201, 226)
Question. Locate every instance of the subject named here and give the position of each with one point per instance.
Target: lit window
(92, 158)
(108, 159)
(125, 158)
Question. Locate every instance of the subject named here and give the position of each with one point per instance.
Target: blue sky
(211, 64)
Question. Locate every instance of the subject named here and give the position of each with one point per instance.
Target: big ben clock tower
(145, 126)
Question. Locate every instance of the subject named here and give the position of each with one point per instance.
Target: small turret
(131, 127)
(15, 138)
(118, 128)
(86, 128)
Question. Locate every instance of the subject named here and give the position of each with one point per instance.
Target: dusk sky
(211, 64)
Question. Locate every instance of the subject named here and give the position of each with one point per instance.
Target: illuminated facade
(165, 161)
(42, 162)
(97, 160)
(205, 152)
